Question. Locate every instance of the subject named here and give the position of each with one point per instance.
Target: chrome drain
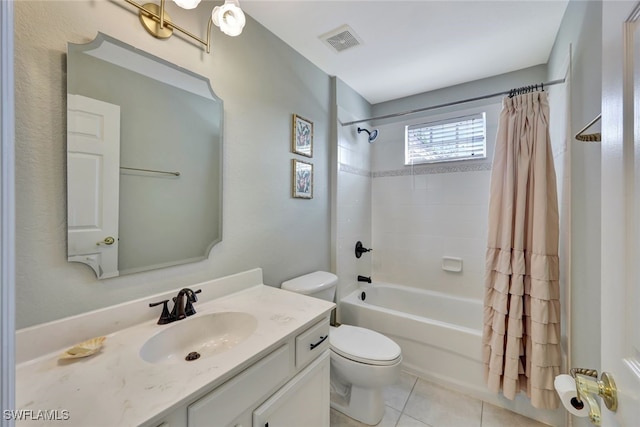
(194, 355)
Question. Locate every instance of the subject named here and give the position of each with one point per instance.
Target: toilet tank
(319, 284)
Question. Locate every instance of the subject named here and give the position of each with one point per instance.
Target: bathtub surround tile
(419, 218)
(431, 169)
(438, 407)
(354, 170)
(352, 220)
(396, 395)
(494, 416)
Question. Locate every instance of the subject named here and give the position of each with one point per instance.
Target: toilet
(363, 361)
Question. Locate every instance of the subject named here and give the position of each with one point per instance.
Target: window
(460, 138)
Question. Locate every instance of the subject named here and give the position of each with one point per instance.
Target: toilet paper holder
(588, 386)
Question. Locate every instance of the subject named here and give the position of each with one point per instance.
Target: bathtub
(440, 335)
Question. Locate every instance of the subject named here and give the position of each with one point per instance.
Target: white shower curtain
(521, 335)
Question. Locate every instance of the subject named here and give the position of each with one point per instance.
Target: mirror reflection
(144, 160)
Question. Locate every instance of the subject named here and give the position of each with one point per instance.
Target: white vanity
(270, 366)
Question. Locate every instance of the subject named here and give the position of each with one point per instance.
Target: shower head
(372, 134)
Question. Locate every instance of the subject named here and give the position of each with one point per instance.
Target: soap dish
(453, 264)
(84, 349)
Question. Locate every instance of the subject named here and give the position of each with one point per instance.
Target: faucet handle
(165, 317)
(360, 249)
(193, 295)
(189, 310)
(175, 312)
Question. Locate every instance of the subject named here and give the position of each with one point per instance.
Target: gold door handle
(107, 241)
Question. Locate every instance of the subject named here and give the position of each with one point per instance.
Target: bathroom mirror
(144, 160)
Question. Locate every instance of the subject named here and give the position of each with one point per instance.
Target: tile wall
(353, 216)
(422, 213)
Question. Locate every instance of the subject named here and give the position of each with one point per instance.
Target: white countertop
(115, 387)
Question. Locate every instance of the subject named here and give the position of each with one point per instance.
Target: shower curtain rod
(449, 104)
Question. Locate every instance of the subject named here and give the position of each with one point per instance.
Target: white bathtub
(440, 335)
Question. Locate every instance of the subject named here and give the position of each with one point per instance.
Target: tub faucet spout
(364, 279)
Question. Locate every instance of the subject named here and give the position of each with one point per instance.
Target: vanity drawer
(312, 342)
(227, 402)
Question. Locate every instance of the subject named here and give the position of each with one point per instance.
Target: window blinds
(460, 138)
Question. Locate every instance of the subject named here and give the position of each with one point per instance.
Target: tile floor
(414, 402)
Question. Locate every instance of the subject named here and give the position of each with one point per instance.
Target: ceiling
(410, 47)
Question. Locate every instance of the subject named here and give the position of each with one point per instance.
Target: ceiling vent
(341, 38)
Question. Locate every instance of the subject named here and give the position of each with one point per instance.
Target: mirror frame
(119, 53)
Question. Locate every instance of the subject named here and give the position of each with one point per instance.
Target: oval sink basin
(200, 336)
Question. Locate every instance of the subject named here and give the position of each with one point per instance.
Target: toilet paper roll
(565, 386)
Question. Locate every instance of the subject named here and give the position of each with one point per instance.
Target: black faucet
(181, 309)
(364, 279)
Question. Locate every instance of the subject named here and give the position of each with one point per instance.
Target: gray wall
(463, 91)
(262, 82)
(582, 28)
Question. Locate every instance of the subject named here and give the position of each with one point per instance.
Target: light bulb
(229, 17)
(187, 4)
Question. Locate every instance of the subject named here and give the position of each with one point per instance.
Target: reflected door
(93, 176)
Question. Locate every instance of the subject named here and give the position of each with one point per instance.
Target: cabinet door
(303, 401)
(228, 402)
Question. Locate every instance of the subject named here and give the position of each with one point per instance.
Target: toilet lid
(363, 345)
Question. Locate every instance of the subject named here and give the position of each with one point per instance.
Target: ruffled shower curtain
(521, 335)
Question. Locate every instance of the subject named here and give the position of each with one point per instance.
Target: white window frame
(458, 152)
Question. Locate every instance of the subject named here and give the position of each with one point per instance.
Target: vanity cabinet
(227, 402)
(303, 401)
(287, 387)
(263, 350)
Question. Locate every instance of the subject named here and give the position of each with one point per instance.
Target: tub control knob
(361, 249)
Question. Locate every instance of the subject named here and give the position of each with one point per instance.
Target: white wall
(353, 189)
(262, 82)
(403, 201)
(425, 212)
(580, 208)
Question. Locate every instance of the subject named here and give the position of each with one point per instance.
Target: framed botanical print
(302, 136)
(302, 180)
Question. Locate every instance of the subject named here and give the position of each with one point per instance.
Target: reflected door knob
(107, 241)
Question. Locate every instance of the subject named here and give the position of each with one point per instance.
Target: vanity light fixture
(228, 17)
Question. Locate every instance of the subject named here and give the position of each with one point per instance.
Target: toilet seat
(364, 345)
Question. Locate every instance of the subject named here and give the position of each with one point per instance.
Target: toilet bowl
(363, 361)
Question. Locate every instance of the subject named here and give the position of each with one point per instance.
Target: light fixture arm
(147, 12)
